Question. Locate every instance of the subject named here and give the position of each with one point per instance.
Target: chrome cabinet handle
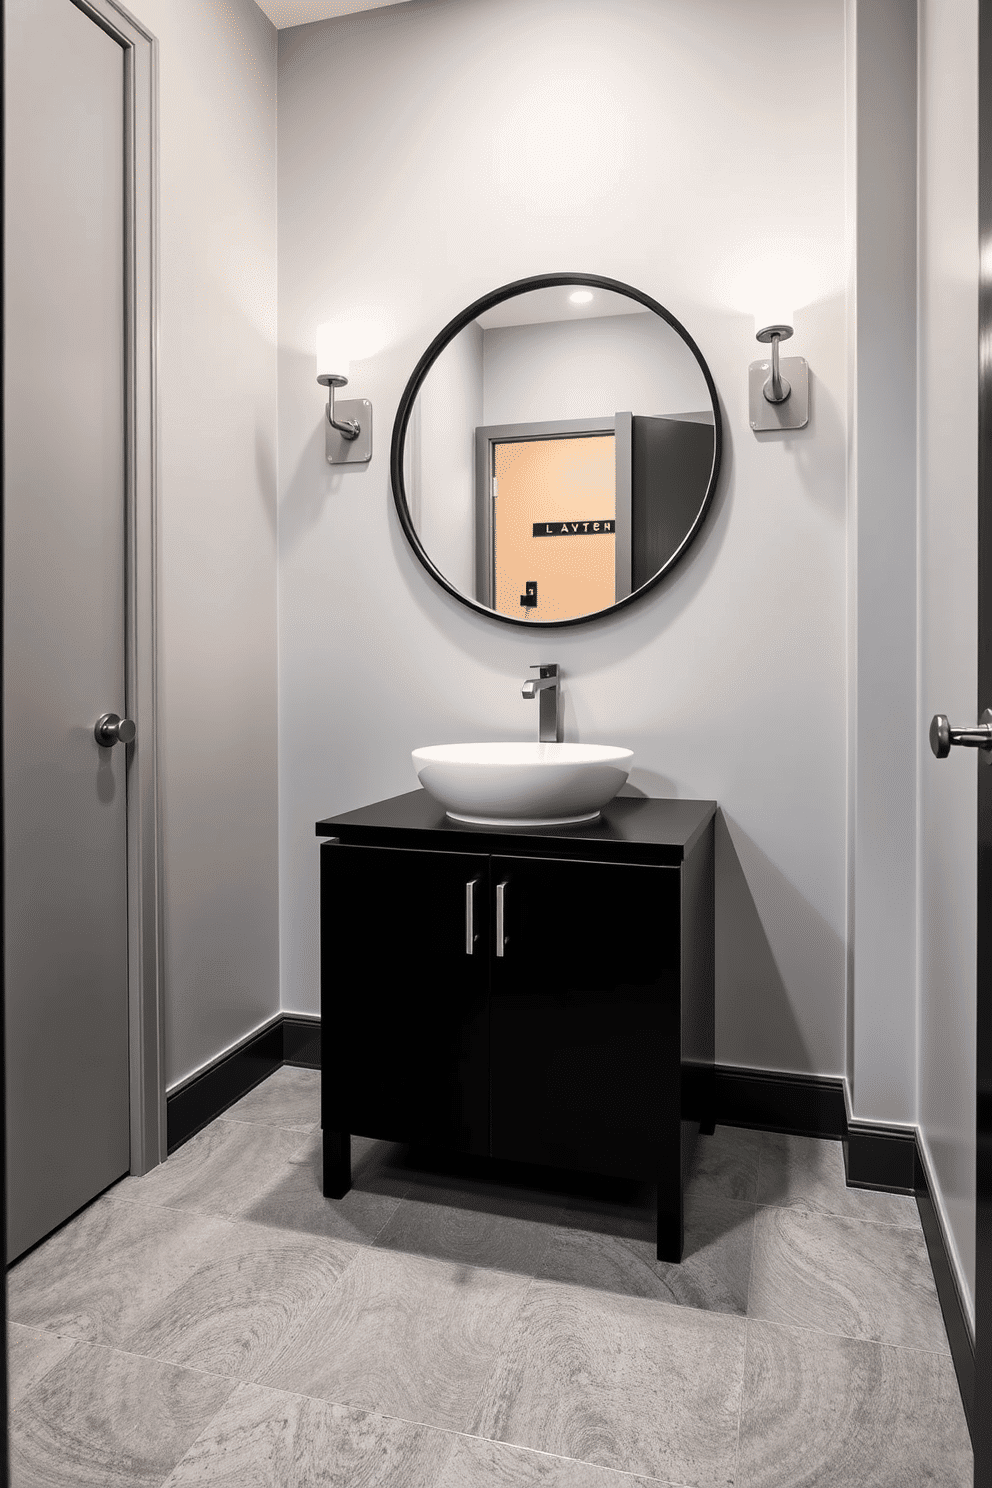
(110, 729)
(942, 736)
(501, 916)
(470, 936)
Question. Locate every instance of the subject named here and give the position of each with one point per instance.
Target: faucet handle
(546, 668)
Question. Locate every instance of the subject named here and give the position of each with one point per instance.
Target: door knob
(942, 736)
(110, 729)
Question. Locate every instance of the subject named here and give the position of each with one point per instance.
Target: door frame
(982, 1427)
(146, 1042)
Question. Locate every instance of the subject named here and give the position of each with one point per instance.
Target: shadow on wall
(756, 1025)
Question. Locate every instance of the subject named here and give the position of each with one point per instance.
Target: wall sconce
(779, 388)
(348, 427)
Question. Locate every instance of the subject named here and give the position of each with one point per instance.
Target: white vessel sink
(522, 785)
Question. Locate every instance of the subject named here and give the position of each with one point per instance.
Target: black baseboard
(301, 1040)
(289, 1039)
(875, 1157)
(801, 1105)
(948, 1293)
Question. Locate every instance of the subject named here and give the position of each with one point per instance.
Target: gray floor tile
(833, 1413)
(268, 1439)
(726, 1164)
(403, 1335)
(502, 1231)
(808, 1173)
(220, 1170)
(249, 1288)
(98, 1276)
(845, 1276)
(291, 1197)
(31, 1353)
(290, 1098)
(110, 1420)
(477, 1463)
(622, 1382)
(619, 1254)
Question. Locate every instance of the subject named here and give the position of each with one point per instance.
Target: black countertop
(631, 829)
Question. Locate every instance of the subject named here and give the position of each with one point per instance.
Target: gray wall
(948, 518)
(489, 151)
(883, 563)
(217, 600)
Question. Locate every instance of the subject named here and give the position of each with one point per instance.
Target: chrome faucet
(550, 729)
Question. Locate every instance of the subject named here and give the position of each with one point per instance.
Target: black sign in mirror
(558, 407)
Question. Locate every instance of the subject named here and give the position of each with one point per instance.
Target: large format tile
(98, 1276)
(726, 1164)
(250, 1287)
(220, 1170)
(268, 1439)
(403, 1335)
(618, 1253)
(477, 1463)
(110, 1420)
(501, 1230)
(623, 1382)
(292, 1198)
(834, 1412)
(31, 1353)
(289, 1098)
(845, 1276)
(808, 1173)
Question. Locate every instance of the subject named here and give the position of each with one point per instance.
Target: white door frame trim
(144, 838)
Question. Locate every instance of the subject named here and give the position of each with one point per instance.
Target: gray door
(64, 596)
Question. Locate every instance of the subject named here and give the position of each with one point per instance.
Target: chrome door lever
(942, 736)
(110, 729)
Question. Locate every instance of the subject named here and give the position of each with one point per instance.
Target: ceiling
(298, 12)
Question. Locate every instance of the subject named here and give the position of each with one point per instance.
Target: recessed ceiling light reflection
(581, 296)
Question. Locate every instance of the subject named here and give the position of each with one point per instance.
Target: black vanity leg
(671, 1238)
(337, 1164)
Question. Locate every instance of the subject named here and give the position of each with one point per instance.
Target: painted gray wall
(883, 560)
(948, 525)
(217, 515)
(587, 368)
(440, 470)
(490, 151)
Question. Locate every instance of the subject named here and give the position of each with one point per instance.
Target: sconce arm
(348, 428)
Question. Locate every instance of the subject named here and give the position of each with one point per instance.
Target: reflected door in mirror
(554, 526)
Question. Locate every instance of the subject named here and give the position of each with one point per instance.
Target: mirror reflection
(560, 453)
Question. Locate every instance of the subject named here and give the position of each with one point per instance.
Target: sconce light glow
(772, 312)
(332, 358)
(580, 296)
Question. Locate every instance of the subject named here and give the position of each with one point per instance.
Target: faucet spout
(547, 684)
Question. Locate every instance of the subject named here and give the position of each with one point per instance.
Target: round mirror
(556, 449)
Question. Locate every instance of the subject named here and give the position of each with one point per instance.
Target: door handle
(942, 736)
(501, 916)
(110, 729)
(470, 935)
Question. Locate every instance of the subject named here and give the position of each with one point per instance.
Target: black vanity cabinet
(541, 995)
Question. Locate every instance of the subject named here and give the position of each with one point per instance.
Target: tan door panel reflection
(554, 480)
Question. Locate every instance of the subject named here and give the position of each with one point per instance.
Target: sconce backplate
(358, 451)
(794, 412)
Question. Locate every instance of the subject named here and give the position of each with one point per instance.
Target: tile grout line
(905, 1348)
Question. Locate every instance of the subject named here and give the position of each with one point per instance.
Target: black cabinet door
(584, 1017)
(404, 995)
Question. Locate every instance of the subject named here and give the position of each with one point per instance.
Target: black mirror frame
(420, 371)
